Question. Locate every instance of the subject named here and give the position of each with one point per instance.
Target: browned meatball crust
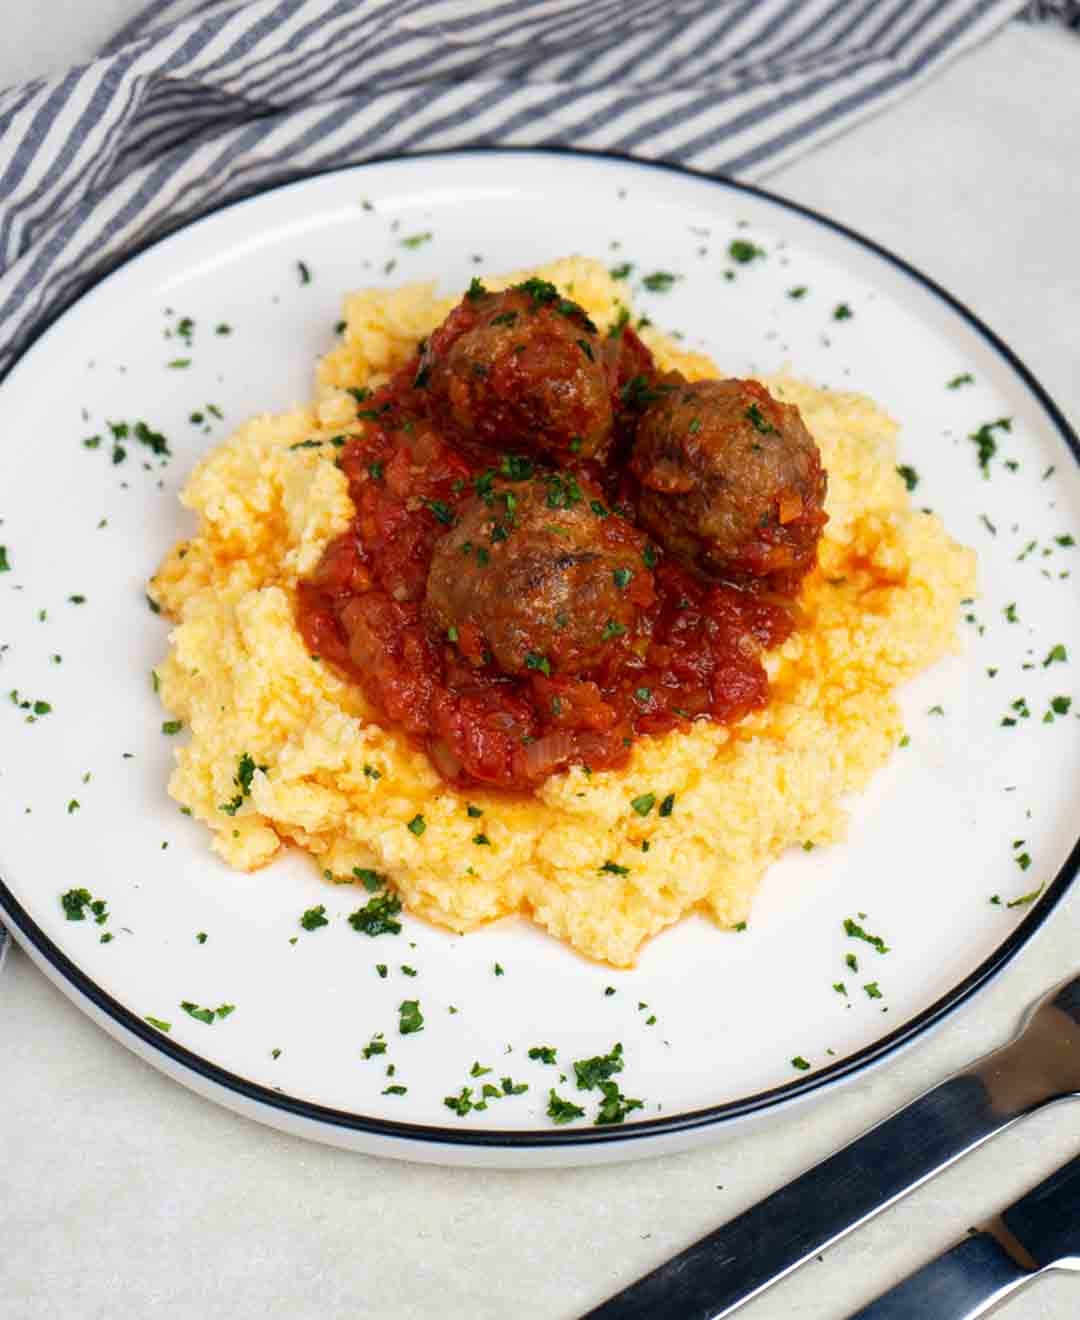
(731, 480)
(525, 370)
(540, 575)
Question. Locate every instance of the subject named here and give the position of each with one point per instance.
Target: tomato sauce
(693, 653)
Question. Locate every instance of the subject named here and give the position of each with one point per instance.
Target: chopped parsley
(909, 475)
(965, 378)
(643, 804)
(621, 577)
(158, 1023)
(540, 291)
(562, 1111)
(416, 240)
(615, 1106)
(371, 880)
(74, 902)
(417, 825)
(856, 932)
(613, 868)
(842, 312)
(985, 444)
(377, 916)
(207, 1015)
(872, 989)
(621, 272)
(1025, 899)
(586, 348)
(5, 563)
(476, 290)
(410, 1019)
(799, 1062)
(533, 660)
(481, 841)
(245, 774)
(395, 1090)
(376, 1045)
(303, 271)
(612, 629)
(638, 392)
(1056, 655)
(314, 917)
(441, 511)
(462, 1104)
(622, 320)
(201, 937)
(543, 1053)
(171, 727)
(668, 805)
(589, 1073)
(660, 281)
(758, 421)
(800, 291)
(742, 251)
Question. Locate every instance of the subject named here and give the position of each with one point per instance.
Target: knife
(723, 1270)
(1039, 1232)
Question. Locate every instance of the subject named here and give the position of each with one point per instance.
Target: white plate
(931, 841)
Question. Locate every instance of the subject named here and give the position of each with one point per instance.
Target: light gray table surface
(124, 1195)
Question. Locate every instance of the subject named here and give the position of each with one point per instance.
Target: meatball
(731, 480)
(538, 574)
(524, 369)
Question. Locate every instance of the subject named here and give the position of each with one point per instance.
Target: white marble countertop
(126, 1195)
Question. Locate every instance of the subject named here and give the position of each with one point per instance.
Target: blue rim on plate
(28, 931)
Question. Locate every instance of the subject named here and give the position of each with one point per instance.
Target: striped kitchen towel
(196, 103)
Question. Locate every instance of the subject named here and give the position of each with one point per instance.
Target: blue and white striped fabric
(197, 103)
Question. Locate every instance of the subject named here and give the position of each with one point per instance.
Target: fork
(721, 1271)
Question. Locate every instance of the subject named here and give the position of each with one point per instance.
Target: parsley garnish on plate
(378, 915)
(376, 1045)
(660, 281)
(799, 1062)
(543, 1053)
(856, 932)
(314, 917)
(615, 1106)
(985, 444)
(562, 1111)
(410, 1019)
(589, 1073)
(742, 251)
(207, 1015)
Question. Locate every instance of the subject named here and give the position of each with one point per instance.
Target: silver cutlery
(1038, 1233)
(723, 1270)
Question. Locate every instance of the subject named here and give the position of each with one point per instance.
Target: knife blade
(1039, 1232)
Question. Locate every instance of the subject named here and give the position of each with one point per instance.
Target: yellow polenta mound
(881, 606)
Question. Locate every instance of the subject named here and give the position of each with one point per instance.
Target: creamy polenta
(284, 751)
